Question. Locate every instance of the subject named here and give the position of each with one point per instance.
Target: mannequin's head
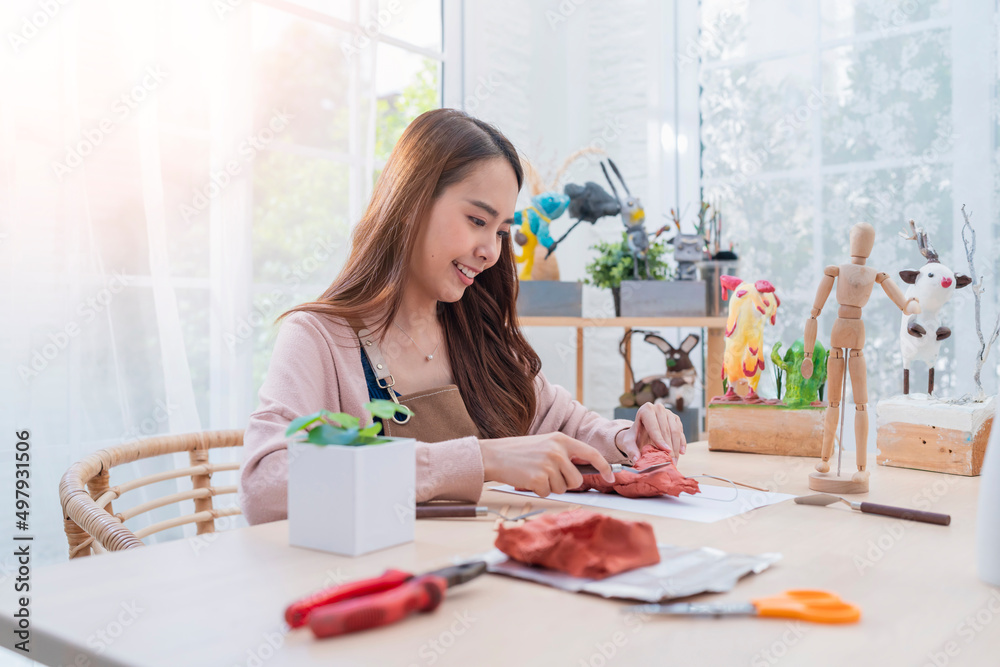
(862, 240)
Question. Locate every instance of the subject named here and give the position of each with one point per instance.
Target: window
(817, 115)
(352, 86)
(176, 177)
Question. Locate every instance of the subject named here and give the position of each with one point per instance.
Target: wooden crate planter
(925, 433)
(711, 272)
(663, 298)
(765, 429)
(552, 298)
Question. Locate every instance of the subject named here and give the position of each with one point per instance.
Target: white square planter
(351, 500)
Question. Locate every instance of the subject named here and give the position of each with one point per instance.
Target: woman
(424, 308)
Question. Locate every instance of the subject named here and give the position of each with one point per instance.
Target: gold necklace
(430, 356)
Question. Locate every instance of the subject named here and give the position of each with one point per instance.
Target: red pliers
(371, 603)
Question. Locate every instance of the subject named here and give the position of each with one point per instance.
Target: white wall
(564, 76)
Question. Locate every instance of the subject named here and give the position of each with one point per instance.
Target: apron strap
(382, 375)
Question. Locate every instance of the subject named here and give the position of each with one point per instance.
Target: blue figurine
(534, 224)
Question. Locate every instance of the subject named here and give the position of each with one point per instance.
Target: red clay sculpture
(667, 481)
(581, 543)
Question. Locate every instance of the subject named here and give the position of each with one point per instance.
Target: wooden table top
(218, 600)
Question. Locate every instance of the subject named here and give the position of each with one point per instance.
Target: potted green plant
(657, 295)
(350, 490)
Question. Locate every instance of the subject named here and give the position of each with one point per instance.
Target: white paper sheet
(708, 506)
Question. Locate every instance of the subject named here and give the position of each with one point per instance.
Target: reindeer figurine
(932, 286)
(634, 219)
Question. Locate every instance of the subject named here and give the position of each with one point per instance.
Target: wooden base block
(828, 482)
(925, 433)
(765, 429)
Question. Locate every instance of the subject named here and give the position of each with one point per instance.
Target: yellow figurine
(749, 308)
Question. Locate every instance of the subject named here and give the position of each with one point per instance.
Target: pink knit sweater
(316, 365)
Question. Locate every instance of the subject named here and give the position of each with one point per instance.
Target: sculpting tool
(874, 508)
(814, 606)
(445, 511)
(587, 469)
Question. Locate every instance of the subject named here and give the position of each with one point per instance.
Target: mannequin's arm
(822, 294)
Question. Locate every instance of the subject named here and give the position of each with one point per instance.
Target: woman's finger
(569, 473)
(556, 481)
(540, 486)
(581, 450)
(679, 429)
(663, 420)
(629, 447)
(672, 423)
(652, 427)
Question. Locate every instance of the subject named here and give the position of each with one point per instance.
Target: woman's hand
(653, 425)
(542, 463)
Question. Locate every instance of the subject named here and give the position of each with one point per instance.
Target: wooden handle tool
(875, 508)
(452, 510)
(447, 511)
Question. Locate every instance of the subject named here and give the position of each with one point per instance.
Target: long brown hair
(492, 363)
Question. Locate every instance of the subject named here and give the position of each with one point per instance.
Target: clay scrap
(581, 543)
(667, 481)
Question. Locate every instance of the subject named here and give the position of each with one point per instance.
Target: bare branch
(969, 240)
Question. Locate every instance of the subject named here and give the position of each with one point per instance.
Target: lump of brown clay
(667, 481)
(581, 543)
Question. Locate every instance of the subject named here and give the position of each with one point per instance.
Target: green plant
(614, 263)
(340, 428)
(779, 373)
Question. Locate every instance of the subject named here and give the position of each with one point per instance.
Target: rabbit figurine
(681, 375)
(674, 388)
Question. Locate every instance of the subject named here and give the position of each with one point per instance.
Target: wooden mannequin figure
(855, 282)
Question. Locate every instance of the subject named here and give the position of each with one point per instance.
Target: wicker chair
(88, 518)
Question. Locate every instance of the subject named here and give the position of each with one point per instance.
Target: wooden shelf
(712, 342)
(623, 322)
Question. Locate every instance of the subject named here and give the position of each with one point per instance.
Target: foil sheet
(681, 572)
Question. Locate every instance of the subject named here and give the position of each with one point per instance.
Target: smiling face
(463, 231)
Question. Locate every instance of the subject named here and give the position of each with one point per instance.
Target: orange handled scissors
(813, 606)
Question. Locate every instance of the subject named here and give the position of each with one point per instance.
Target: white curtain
(174, 176)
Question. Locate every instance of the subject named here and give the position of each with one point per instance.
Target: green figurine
(801, 392)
